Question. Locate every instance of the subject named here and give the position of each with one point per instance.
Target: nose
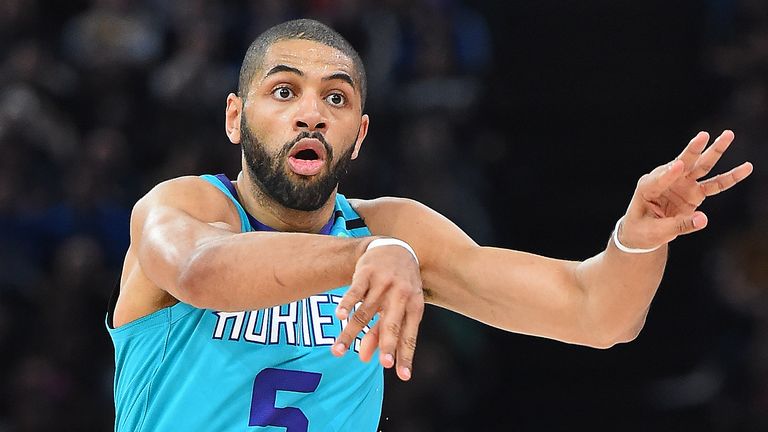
(309, 116)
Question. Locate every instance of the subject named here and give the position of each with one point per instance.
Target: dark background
(528, 123)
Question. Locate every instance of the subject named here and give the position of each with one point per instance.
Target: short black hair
(306, 29)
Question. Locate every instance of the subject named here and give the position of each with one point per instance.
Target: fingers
(394, 334)
(386, 282)
(359, 319)
(655, 183)
(357, 289)
(693, 150)
(686, 194)
(362, 316)
(406, 343)
(389, 331)
(407, 346)
(725, 181)
(369, 343)
(677, 180)
(710, 157)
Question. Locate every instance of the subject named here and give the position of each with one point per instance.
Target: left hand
(666, 201)
(387, 281)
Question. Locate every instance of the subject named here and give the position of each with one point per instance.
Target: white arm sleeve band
(388, 241)
(627, 249)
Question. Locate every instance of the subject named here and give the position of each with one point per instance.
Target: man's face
(301, 123)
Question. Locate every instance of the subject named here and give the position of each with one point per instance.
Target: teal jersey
(188, 369)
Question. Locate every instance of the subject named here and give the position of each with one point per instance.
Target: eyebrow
(341, 76)
(283, 68)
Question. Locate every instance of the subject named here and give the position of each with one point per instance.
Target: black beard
(268, 172)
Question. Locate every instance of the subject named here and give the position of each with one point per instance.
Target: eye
(336, 99)
(282, 93)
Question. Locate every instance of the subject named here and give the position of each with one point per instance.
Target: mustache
(315, 135)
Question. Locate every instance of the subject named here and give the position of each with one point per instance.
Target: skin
(186, 245)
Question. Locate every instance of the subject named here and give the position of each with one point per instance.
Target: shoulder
(187, 189)
(407, 220)
(387, 210)
(386, 205)
(189, 194)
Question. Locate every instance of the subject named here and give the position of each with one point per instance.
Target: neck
(267, 211)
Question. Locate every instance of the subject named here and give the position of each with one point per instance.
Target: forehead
(307, 56)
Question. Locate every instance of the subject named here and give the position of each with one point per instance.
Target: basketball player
(240, 301)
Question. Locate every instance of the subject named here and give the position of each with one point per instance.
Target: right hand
(387, 280)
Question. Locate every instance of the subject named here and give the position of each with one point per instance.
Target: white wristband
(389, 241)
(625, 248)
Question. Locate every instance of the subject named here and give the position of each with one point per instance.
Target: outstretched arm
(598, 302)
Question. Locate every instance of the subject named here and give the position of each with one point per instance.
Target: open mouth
(307, 154)
(307, 157)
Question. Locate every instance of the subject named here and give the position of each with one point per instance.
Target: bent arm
(187, 242)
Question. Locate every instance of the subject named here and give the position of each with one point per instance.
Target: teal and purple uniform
(188, 369)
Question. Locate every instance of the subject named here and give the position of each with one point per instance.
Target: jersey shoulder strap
(223, 184)
(354, 224)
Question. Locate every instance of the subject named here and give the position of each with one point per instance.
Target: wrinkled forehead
(308, 56)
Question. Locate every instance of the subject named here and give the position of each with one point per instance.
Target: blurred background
(528, 123)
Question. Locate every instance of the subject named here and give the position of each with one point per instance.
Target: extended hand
(387, 280)
(666, 200)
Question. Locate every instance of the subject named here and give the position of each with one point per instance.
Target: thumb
(672, 227)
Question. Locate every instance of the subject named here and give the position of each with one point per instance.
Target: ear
(364, 122)
(233, 115)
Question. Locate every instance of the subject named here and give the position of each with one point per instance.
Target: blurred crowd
(100, 100)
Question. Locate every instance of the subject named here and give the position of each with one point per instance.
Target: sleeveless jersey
(187, 369)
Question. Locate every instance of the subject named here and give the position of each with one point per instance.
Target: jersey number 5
(265, 387)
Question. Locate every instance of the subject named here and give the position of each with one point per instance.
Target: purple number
(265, 387)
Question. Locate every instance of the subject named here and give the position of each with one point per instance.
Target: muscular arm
(598, 302)
(185, 240)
